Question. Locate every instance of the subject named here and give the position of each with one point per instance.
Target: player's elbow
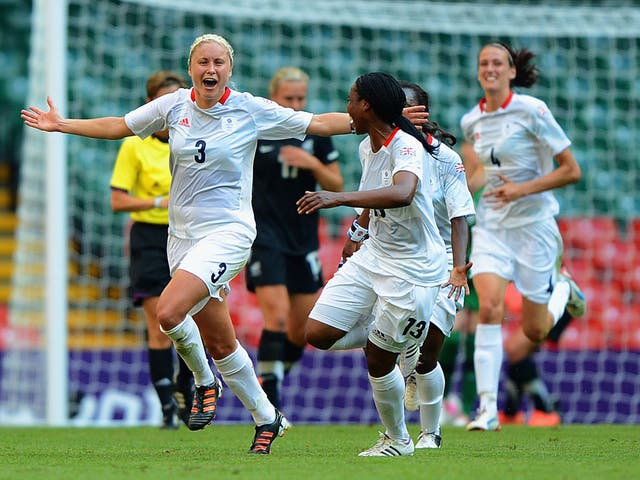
(402, 198)
(574, 174)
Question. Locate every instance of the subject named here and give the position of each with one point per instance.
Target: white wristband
(157, 202)
(356, 233)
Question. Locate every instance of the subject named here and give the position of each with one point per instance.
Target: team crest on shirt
(386, 177)
(227, 124)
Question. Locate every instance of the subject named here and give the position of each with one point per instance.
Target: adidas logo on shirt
(184, 122)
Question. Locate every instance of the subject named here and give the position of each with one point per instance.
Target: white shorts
(400, 309)
(215, 259)
(529, 257)
(444, 311)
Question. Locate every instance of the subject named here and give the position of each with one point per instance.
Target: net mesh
(589, 58)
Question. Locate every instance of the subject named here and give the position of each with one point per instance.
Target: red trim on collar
(483, 102)
(223, 98)
(393, 134)
(225, 95)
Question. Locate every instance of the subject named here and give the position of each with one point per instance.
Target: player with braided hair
(397, 271)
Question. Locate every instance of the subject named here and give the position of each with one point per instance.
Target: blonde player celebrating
(213, 132)
(515, 237)
(397, 273)
(452, 203)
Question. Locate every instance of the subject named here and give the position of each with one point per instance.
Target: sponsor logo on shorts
(378, 334)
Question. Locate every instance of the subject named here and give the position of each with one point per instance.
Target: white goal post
(87, 354)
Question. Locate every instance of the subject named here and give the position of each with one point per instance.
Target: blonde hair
(286, 74)
(211, 38)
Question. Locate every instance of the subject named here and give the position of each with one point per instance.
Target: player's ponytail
(387, 99)
(526, 72)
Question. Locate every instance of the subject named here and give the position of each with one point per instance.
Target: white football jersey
(212, 154)
(451, 197)
(519, 141)
(403, 241)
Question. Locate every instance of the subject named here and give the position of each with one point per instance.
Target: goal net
(589, 59)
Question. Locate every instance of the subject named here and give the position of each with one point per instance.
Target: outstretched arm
(400, 194)
(327, 124)
(110, 128)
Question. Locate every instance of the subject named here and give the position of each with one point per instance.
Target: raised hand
(313, 201)
(41, 120)
(458, 281)
(416, 115)
(505, 193)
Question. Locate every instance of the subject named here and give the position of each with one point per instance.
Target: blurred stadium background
(589, 56)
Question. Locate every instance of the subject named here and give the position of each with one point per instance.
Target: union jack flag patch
(407, 151)
(459, 167)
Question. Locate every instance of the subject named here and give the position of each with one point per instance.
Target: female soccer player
(398, 271)
(515, 237)
(213, 132)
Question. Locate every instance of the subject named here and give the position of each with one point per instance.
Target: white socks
(239, 375)
(188, 343)
(487, 360)
(275, 368)
(559, 299)
(356, 337)
(388, 394)
(430, 391)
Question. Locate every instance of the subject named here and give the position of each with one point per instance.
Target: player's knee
(321, 336)
(490, 313)
(167, 317)
(535, 333)
(320, 343)
(297, 337)
(318, 339)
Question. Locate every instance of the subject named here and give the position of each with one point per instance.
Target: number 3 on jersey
(415, 328)
(201, 156)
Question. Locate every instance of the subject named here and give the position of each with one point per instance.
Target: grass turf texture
(317, 452)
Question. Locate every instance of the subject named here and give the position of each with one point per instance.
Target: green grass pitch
(317, 452)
